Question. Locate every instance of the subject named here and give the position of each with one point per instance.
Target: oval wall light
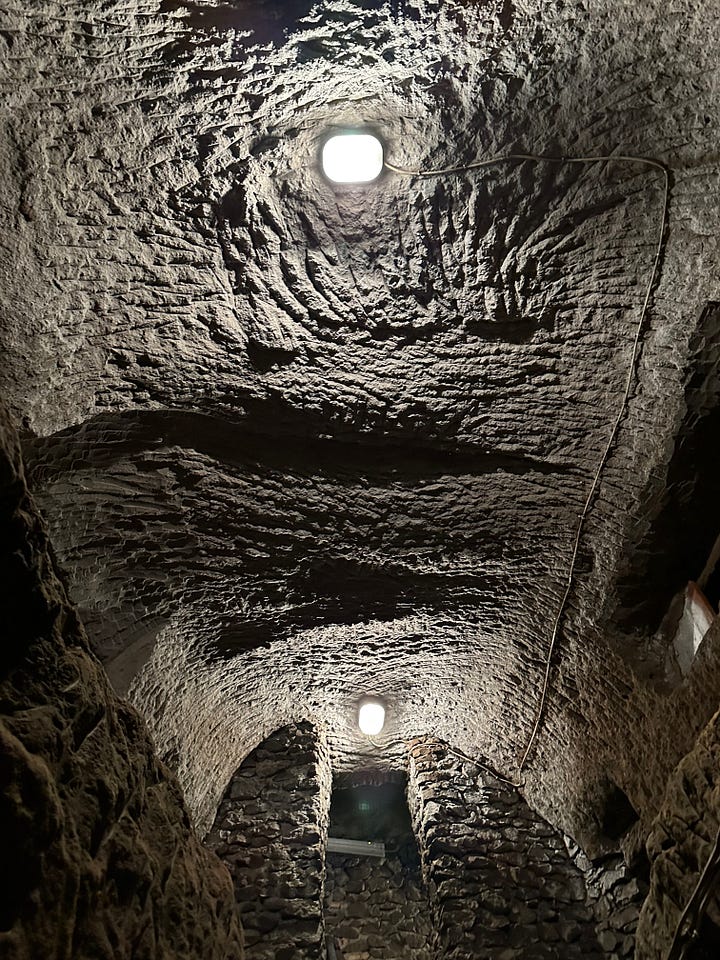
(371, 716)
(352, 157)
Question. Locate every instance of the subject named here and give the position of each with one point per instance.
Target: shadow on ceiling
(264, 22)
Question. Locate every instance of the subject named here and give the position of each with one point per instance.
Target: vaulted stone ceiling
(297, 442)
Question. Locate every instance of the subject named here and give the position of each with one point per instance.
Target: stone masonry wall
(615, 894)
(501, 882)
(376, 909)
(97, 854)
(271, 830)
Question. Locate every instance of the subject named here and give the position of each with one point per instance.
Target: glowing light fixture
(371, 716)
(352, 157)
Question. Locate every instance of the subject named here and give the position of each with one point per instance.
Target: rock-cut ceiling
(296, 442)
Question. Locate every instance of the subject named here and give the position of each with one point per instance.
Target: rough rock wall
(679, 845)
(96, 849)
(502, 884)
(271, 830)
(451, 352)
(398, 395)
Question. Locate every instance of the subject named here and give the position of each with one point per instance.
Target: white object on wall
(355, 848)
(694, 623)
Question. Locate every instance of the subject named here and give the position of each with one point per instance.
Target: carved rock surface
(297, 443)
(96, 848)
(679, 846)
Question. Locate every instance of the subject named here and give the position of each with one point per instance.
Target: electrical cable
(477, 763)
(571, 574)
(483, 766)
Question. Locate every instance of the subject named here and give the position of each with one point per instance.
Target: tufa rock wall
(374, 415)
(94, 835)
(679, 845)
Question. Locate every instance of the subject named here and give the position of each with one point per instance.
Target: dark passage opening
(372, 812)
(683, 531)
(374, 906)
(618, 814)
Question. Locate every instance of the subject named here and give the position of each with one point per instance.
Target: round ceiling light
(371, 716)
(352, 157)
